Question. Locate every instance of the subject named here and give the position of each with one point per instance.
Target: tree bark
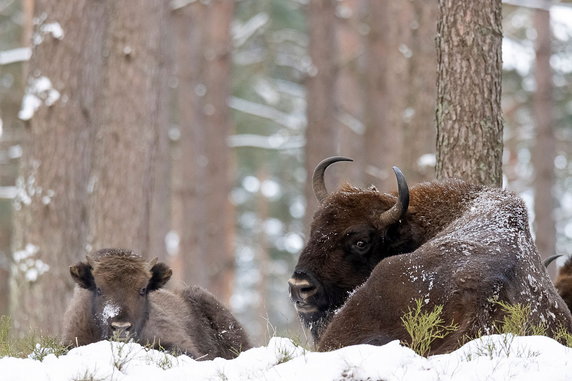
(469, 116)
(544, 145)
(321, 136)
(421, 91)
(205, 224)
(131, 129)
(50, 208)
(89, 171)
(350, 79)
(382, 141)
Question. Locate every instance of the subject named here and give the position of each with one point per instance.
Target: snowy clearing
(497, 357)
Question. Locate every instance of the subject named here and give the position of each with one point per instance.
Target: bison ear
(81, 274)
(160, 274)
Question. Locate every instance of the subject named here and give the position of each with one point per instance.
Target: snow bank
(498, 357)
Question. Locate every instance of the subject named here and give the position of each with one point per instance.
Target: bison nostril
(301, 289)
(120, 326)
(307, 290)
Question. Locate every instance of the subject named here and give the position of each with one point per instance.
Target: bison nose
(301, 290)
(120, 328)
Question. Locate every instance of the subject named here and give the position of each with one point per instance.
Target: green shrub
(425, 327)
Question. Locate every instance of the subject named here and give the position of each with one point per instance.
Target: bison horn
(152, 263)
(551, 259)
(90, 261)
(396, 212)
(318, 179)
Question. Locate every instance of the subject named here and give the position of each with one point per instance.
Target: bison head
(352, 231)
(120, 282)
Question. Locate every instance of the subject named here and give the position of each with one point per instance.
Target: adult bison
(119, 296)
(370, 255)
(563, 281)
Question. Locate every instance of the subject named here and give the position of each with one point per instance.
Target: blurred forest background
(186, 130)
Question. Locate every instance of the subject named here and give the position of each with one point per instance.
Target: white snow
(39, 91)
(15, 55)
(110, 310)
(497, 357)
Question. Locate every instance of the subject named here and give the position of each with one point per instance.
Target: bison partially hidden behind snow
(120, 296)
(370, 255)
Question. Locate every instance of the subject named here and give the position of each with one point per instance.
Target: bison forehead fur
(119, 296)
(459, 245)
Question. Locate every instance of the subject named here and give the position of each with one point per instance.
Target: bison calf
(120, 296)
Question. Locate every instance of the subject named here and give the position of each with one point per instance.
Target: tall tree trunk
(544, 144)
(89, 170)
(321, 139)
(382, 140)
(421, 90)
(131, 129)
(468, 116)
(205, 163)
(50, 208)
(349, 84)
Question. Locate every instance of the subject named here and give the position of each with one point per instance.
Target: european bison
(563, 281)
(120, 296)
(370, 255)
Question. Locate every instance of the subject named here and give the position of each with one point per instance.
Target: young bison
(120, 296)
(371, 255)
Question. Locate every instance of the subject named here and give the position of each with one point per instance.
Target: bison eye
(143, 291)
(360, 247)
(98, 291)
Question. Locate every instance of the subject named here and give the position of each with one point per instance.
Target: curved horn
(318, 179)
(397, 211)
(551, 259)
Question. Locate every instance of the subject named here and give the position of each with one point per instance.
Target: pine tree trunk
(350, 80)
(131, 129)
(205, 221)
(321, 139)
(420, 91)
(469, 120)
(384, 95)
(89, 170)
(50, 208)
(544, 144)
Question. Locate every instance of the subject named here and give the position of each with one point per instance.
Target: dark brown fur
(564, 282)
(120, 296)
(458, 245)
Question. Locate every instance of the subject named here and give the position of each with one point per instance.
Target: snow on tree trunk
(469, 116)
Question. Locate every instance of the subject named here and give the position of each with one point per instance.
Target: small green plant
(517, 320)
(33, 345)
(425, 327)
(87, 376)
(563, 336)
(121, 353)
(285, 354)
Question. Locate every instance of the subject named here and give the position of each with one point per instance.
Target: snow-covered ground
(498, 357)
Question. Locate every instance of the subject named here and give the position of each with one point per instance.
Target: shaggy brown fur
(564, 282)
(458, 245)
(119, 296)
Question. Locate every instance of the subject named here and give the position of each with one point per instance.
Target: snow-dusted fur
(117, 287)
(462, 246)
